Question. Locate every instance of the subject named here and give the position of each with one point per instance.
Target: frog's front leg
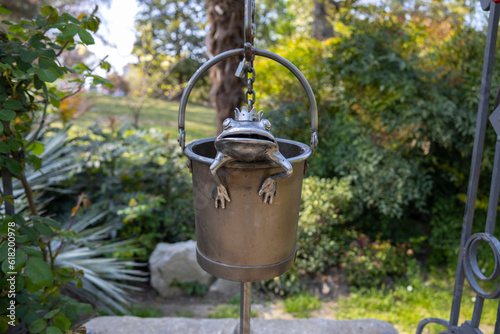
(222, 196)
(269, 188)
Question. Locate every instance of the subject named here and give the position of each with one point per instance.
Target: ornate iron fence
(467, 266)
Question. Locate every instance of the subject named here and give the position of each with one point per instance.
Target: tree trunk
(322, 27)
(226, 19)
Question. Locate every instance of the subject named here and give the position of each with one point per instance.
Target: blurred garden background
(93, 177)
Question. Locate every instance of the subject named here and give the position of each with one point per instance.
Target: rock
(175, 261)
(127, 324)
(225, 288)
(323, 326)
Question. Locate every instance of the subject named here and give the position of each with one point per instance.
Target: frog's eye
(227, 123)
(267, 124)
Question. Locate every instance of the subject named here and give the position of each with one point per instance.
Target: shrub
(29, 66)
(141, 180)
(325, 206)
(39, 303)
(397, 117)
(368, 264)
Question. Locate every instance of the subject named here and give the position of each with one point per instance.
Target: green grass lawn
(413, 301)
(200, 120)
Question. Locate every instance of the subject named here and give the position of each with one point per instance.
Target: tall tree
(177, 29)
(226, 19)
(323, 28)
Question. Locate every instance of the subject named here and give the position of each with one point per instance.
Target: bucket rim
(305, 149)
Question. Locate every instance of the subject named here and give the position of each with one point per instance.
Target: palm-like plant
(59, 163)
(103, 275)
(90, 250)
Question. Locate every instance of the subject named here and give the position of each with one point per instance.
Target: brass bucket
(248, 240)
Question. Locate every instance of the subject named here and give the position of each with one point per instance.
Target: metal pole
(245, 307)
(477, 154)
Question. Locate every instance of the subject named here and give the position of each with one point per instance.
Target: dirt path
(329, 288)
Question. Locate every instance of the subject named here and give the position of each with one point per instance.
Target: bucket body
(248, 240)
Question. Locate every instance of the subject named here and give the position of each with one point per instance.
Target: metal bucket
(249, 240)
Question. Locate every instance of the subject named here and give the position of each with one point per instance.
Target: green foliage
(326, 239)
(397, 108)
(194, 288)
(446, 228)
(169, 46)
(142, 311)
(141, 180)
(40, 306)
(383, 178)
(229, 311)
(28, 65)
(301, 306)
(368, 263)
(325, 206)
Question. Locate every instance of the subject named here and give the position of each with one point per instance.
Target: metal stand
(245, 307)
(467, 266)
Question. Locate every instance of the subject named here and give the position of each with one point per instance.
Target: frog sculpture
(247, 139)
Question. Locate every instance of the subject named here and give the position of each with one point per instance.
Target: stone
(175, 261)
(225, 288)
(127, 324)
(323, 326)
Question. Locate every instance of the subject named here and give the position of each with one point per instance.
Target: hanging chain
(250, 70)
(250, 90)
(245, 69)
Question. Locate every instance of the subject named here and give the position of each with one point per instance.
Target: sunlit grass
(230, 310)
(411, 302)
(200, 120)
(301, 306)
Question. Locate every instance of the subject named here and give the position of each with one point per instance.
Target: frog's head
(248, 127)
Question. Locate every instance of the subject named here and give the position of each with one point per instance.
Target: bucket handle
(240, 52)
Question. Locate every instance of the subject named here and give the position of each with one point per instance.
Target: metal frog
(247, 139)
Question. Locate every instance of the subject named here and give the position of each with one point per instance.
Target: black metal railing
(467, 266)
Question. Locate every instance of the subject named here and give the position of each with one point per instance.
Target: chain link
(249, 33)
(250, 81)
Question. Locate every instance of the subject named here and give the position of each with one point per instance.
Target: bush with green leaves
(49, 260)
(325, 206)
(29, 65)
(397, 107)
(140, 178)
(368, 264)
(40, 305)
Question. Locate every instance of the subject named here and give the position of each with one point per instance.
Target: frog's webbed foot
(268, 190)
(220, 192)
(221, 197)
